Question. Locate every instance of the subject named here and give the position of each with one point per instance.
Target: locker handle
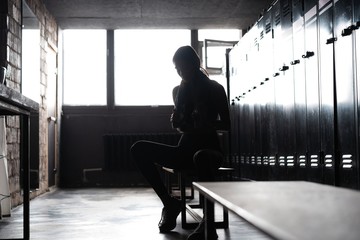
(308, 54)
(297, 61)
(284, 68)
(347, 31)
(357, 25)
(331, 40)
(51, 118)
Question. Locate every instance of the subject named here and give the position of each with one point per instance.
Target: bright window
(31, 64)
(144, 72)
(85, 67)
(216, 53)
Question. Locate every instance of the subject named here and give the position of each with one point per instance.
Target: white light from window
(84, 67)
(30, 78)
(144, 72)
(216, 55)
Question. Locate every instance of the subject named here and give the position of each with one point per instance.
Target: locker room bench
(289, 209)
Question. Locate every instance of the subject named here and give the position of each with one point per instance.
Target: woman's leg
(147, 155)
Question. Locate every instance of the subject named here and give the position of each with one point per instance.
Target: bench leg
(209, 217)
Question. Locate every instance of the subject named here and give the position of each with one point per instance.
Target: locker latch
(284, 68)
(297, 61)
(308, 54)
(331, 40)
(347, 31)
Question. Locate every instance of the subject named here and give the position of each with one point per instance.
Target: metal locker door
(251, 100)
(234, 113)
(326, 74)
(243, 106)
(264, 61)
(284, 88)
(300, 92)
(310, 57)
(357, 67)
(287, 85)
(266, 88)
(256, 96)
(347, 140)
(272, 86)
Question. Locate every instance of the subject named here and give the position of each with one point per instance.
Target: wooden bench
(289, 209)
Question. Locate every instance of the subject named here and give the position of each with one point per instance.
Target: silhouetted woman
(200, 109)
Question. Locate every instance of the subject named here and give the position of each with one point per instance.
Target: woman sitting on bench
(201, 108)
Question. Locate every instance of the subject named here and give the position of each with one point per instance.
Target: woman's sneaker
(169, 215)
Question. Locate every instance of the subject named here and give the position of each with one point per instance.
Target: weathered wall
(10, 57)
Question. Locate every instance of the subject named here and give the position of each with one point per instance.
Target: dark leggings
(149, 154)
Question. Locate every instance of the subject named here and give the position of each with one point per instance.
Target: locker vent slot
(272, 161)
(314, 161)
(258, 160)
(247, 160)
(262, 34)
(347, 161)
(256, 42)
(265, 160)
(253, 161)
(237, 158)
(302, 161)
(268, 25)
(282, 161)
(277, 17)
(242, 159)
(290, 162)
(286, 9)
(328, 161)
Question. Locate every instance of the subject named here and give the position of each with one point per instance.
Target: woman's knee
(137, 149)
(208, 158)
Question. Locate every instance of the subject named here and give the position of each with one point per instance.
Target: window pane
(144, 72)
(216, 54)
(31, 64)
(219, 34)
(84, 67)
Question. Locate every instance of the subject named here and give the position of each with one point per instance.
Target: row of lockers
(295, 93)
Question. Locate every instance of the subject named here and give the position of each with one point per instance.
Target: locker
(346, 104)
(298, 105)
(266, 53)
(274, 169)
(357, 58)
(256, 96)
(298, 66)
(310, 57)
(287, 86)
(234, 63)
(284, 99)
(245, 139)
(326, 74)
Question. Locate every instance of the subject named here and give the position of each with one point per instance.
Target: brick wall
(10, 57)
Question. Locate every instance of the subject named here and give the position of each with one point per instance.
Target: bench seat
(290, 209)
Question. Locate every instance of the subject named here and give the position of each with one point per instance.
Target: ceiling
(188, 14)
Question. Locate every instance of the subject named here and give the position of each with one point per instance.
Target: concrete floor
(114, 213)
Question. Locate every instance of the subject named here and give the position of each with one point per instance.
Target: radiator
(117, 148)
